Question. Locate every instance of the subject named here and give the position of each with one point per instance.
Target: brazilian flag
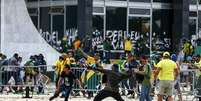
(90, 79)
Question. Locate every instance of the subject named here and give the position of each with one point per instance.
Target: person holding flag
(89, 77)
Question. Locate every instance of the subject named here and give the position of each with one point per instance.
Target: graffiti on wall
(51, 38)
(116, 37)
(71, 35)
(97, 39)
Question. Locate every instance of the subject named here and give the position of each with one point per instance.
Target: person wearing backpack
(146, 82)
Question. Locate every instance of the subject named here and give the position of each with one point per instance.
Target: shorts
(166, 87)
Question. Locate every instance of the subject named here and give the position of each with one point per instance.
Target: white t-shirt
(184, 68)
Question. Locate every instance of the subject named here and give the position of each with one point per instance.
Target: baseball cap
(166, 54)
(174, 57)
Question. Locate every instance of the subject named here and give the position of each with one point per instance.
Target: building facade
(153, 25)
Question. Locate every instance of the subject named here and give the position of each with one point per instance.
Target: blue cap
(174, 57)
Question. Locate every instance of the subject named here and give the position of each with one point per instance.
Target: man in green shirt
(146, 84)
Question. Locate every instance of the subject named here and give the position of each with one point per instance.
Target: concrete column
(85, 21)
(180, 23)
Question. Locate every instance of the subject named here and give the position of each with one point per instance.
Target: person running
(146, 83)
(112, 87)
(168, 73)
(65, 83)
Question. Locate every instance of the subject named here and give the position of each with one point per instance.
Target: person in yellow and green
(70, 60)
(76, 45)
(187, 49)
(64, 44)
(59, 65)
(121, 63)
(89, 77)
(168, 73)
(197, 65)
(128, 46)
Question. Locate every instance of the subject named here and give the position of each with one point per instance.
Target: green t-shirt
(121, 64)
(106, 45)
(147, 76)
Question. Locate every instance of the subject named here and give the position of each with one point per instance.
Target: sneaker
(89, 97)
(51, 98)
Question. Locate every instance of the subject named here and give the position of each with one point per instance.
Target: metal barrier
(36, 81)
(34, 78)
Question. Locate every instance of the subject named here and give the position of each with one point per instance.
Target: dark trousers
(124, 86)
(132, 84)
(107, 56)
(66, 89)
(7, 75)
(104, 94)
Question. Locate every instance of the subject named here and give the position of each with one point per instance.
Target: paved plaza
(18, 97)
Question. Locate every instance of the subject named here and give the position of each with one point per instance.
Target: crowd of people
(131, 72)
(14, 73)
(97, 74)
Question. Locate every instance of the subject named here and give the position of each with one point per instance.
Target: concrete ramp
(19, 35)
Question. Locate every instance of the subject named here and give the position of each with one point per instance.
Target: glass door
(139, 30)
(57, 20)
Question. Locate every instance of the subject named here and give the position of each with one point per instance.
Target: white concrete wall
(19, 35)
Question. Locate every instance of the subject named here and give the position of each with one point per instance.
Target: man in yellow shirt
(128, 46)
(168, 72)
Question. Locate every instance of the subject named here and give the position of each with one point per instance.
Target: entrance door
(139, 30)
(192, 26)
(58, 24)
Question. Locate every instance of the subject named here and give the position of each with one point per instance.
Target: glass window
(116, 18)
(139, 24)
(116, 0)
(45, 19)
(162, 29)
(98, 10)
(32, 0)
(71, 24)
(98, 30)
(116, 26)
(98, 22)
(58, 25)
(71, 17)
(139, 11)
(193, 1)
(193, 13)
(163, 1)
(192, 27)
(139, 29)
(199, 23)
(140, 0)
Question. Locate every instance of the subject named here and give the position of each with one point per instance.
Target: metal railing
(38, 80)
